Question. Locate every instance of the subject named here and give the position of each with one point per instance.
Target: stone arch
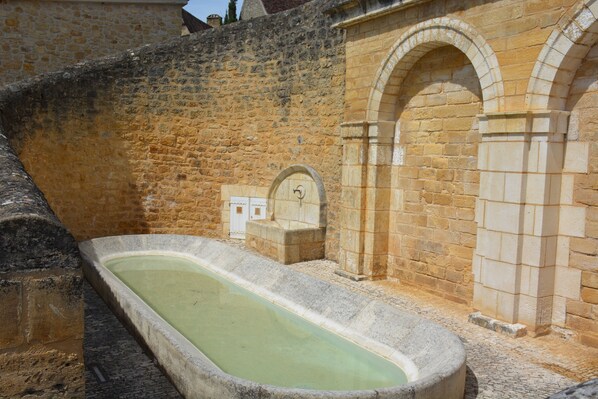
(291, 170)
(561, 56)
(419, 40)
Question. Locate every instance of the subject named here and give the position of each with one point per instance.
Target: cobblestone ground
(498, 367)
(128, 371)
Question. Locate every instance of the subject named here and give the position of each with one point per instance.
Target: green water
(247, 336)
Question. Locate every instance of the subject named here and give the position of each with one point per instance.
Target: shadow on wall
(79, 159)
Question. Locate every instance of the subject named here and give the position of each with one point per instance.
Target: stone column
(367, 157)
(377, 191)
(353, 199)
(520, 162)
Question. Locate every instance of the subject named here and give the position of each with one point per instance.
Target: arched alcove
(295, 229)
(284, 202)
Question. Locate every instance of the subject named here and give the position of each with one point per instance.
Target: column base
(512, 330)
(351, 276)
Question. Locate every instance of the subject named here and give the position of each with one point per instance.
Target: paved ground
(128, 372)
(498, 367)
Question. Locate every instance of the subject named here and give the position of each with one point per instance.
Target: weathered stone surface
(42, 373)
(11, 310)
(41, 303)
(42, 37)
(513, 330)
(31, 237)
(55, 308)
(585, 390)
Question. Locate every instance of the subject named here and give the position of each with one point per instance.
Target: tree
(231, 13)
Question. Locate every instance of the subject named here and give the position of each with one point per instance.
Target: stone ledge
(512, 330)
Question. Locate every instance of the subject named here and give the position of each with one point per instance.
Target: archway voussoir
(431, 34)
(573, 32)
(585, 19)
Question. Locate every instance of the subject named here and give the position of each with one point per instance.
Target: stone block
(579, 308)
(532, 252)
(589, 279)
(559, 310)
(546, 220)
(572, 221)
(567, 282)
(55, 308)
(538, 189)
(589, 295)
(502, 217)
(506, 157)
(582, 324)
(512, 330)
(576, 157)
(11, 310)
(499, 276)
(514, 187)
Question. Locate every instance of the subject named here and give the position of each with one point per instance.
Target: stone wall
(434, 182)
(143, 142)
(582, 180)
(534, 257)
(41, 302)
(45, 36)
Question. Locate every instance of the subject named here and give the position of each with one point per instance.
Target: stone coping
(432, 357)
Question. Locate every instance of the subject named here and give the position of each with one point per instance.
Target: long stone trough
(432, 357)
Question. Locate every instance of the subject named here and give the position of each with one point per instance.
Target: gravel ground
(497, 366)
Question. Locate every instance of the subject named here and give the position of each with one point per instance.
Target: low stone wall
(41, 302)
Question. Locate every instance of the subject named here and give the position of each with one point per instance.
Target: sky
(202, 8)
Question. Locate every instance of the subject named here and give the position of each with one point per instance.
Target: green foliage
(231, 13)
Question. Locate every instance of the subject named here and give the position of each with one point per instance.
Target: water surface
(246, 335)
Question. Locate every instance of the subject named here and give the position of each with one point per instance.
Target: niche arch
(561, 56)
(299, 169)
(419, 40)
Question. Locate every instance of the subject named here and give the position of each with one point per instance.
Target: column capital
(381, 132)
(526, 122)
(354, 130)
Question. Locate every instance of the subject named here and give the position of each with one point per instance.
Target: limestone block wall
(434, 176)
(514, 30)
(145, 141)
(41, 297)
(578, 250)
(534, 254)
(43, 36)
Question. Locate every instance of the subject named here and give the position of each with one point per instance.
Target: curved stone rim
(432, 357)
